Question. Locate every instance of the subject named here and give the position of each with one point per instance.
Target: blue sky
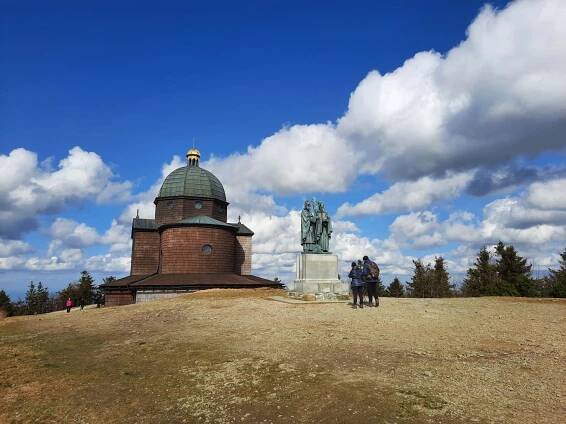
(132, 84)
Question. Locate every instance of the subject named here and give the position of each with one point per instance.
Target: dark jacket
(356, 276)
(366, 274)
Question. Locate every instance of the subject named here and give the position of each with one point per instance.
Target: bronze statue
(316, 227)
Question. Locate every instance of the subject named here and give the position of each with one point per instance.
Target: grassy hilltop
(236, 356)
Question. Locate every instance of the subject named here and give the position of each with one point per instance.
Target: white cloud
(418, 230)
(410, 195)
(53, 263)
(12, 253)
(13, 247)
(518, 212)
(109, 263)
(298, 159)
(70, 233)
(73, 234)
(12, 262)
(511, 219)
(69, 237)
(115, 192)
(28, 190)
(118, 236)
(500, 94)
(17, 167)
(548, 194)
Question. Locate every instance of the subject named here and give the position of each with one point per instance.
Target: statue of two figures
(316, 227)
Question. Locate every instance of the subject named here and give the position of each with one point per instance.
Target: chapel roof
(203, 220)
(192, 181)
(151, 225)
(192, 280)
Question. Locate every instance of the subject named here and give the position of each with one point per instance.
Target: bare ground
(234, 356)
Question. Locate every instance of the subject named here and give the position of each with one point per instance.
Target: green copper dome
(191, 180)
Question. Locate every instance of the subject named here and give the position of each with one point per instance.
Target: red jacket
(69, 303)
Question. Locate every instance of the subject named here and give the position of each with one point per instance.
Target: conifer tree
(557, 278)
(421, 284)
(86, 287)
(110, 279)
(396, 289)
(482, 278)
(514, 273)
(41, 298)
(37, 298)
(440, 279)
(6, 306)
(31, 298)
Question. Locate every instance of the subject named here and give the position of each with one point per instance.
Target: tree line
(502, 273)
(38, 300)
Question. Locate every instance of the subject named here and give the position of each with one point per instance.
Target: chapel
(188, 245)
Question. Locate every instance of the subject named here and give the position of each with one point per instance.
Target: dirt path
(236, 356)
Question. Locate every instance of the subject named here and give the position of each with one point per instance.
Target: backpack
(373, 270)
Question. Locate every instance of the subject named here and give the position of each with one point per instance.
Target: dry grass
(236, 356)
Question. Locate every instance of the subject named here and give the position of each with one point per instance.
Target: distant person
(69, 304)
(370, 275)
(82, 303)
(357, 285)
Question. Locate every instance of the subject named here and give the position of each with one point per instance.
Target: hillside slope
(236, 356)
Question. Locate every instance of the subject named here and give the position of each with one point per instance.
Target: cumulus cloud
(73, 234)
(500, 93)
(29, 189)
(519, 220)
(12, 262)
(409, 195)
(419, 230)
(298, 159)
(109, 263)
(13, 247)
(12, 253)
(69, 238)
(548, 195)
(66, 250)
(67, 259)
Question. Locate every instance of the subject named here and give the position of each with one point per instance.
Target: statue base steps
(317, 278)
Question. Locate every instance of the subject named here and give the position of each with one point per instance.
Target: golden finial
(193, 156)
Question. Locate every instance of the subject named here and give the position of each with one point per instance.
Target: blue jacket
(365, 273)
(356, 276)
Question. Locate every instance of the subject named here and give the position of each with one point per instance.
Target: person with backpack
(357, 285)
(370, 275)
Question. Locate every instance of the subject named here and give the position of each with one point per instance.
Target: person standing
(357, 285)
(69, 304)
(82, 303)
(370, 274)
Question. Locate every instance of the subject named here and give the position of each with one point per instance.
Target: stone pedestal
(317, 277)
